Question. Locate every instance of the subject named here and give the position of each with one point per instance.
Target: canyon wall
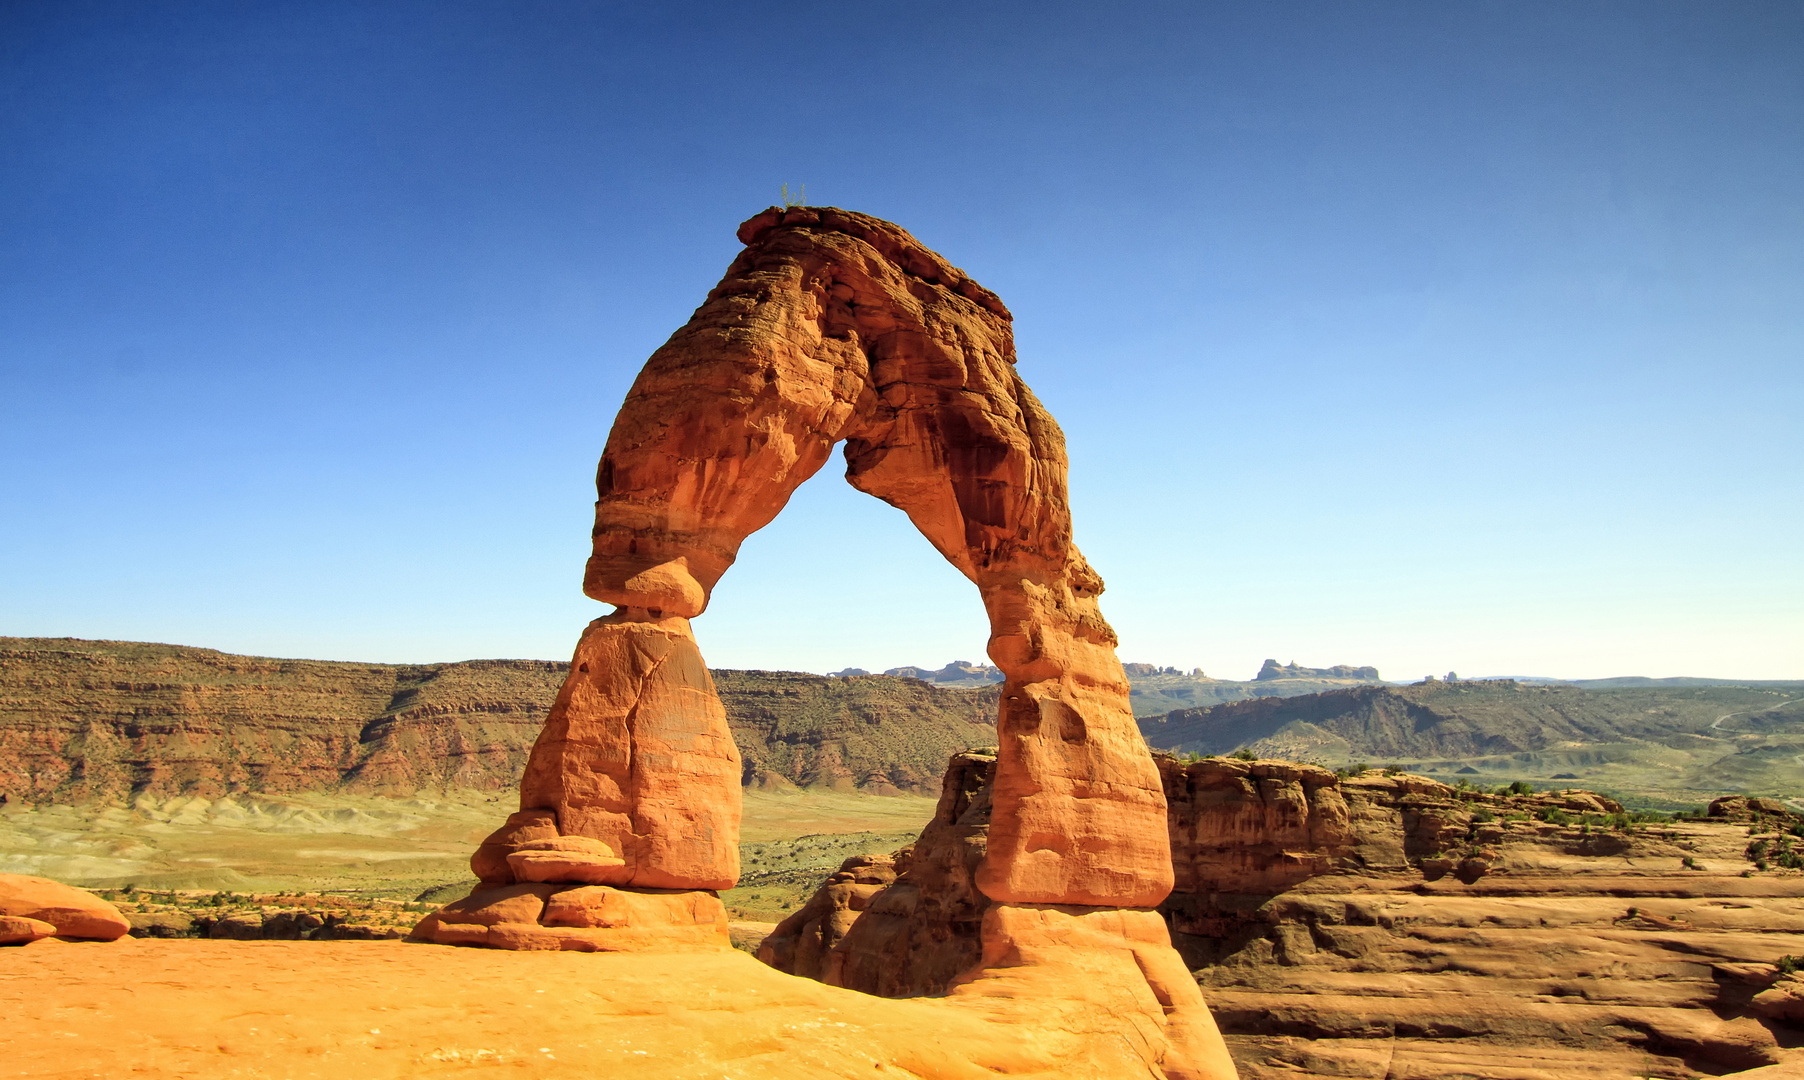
(102, 721)
(1387, 924)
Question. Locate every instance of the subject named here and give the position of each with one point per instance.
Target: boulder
(1742, 807)
(244, 926)
(490, 864)
(920, 933)
(1783, 1002)
(291, 925)
(76, 913)
(19, 930)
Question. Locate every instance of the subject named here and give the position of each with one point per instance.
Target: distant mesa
(116, 722)
(1147, 671)
(1661, 743)
(963, 673)
(958, 671)
(1274, 670)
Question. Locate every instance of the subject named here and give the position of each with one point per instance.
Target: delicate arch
(833, 327)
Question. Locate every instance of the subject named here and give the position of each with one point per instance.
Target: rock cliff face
(869, 733)
(1391, 925)
(921, 930)
(957, 673)
(85, 721)
(103, 721)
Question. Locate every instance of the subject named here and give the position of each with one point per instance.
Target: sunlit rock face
(834, 327)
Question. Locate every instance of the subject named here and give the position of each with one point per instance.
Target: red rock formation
(923, 932)
(1341, 923)
(637, 754)
(1253, 826)
(634, 784)
(490, 863)
(837, 327)
(833, 326)
(803, 944)
(18, 930)
(75, 913)
(582, 918)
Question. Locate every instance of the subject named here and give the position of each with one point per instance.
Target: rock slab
(581, 918)
(75, 913)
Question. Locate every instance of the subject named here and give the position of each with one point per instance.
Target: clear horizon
(1395, 334)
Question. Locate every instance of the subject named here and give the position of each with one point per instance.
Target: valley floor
(402, 848)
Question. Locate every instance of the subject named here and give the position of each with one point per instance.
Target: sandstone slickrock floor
(197, 1010)
(1538, 972)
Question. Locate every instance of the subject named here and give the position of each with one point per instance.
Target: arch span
(834, 327)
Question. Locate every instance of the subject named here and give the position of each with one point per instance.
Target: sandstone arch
(835, 327)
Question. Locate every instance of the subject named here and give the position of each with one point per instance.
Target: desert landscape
(1314, 592)
(952, 872)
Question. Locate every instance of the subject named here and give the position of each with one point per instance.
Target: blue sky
(1427, 336)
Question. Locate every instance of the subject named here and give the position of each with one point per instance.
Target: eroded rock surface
(836, 327)
(1390, 925)
(75, 913)
(1467, 933)
(201, 1010)
(803, 943)
(18, 930)
(637, 754)
(580, 918)
(919, 935)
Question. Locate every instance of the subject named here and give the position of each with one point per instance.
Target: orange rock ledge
(196, 1010)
